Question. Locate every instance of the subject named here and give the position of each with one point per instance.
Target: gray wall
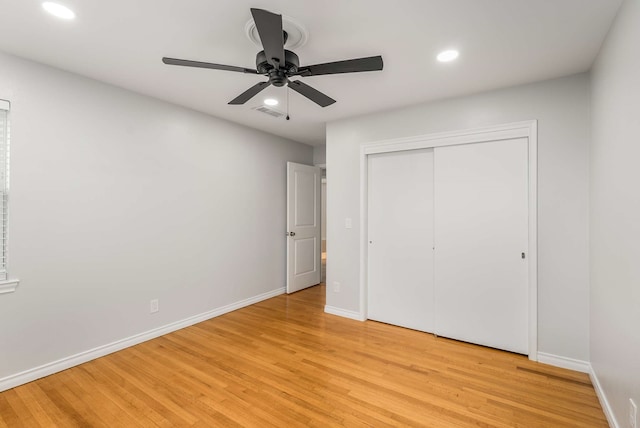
(117, 199)
(615, 214)
(320, 155)
(561, 107)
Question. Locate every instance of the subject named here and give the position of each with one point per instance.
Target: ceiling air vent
(269, 111)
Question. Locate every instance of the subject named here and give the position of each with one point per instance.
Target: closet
(448, 240)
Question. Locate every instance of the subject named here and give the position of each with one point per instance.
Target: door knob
(291, 234)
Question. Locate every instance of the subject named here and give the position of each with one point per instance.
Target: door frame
(323, 230)
(524, 129)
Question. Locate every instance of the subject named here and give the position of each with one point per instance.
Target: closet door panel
(400, 236)
(481, 237)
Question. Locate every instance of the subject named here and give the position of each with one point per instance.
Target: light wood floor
(284, 363)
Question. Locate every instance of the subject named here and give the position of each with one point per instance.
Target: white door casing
(303, 226)
(401, 238)
(481, 239)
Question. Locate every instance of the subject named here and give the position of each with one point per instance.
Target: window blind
(4, 186)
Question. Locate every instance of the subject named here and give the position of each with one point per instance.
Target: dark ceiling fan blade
(313, 94)
(372, 63)
(269, 27)
(188, 63)
(249, 93)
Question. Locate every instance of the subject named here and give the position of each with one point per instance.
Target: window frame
(6, 285)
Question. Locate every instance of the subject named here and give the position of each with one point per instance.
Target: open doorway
(323, 224)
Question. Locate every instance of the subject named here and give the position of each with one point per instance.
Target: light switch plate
(348, 224)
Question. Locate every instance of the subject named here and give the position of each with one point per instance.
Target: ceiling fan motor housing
(278, 77)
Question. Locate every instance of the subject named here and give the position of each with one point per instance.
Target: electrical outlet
(336, 287)
(633, 414)
(153, 306)
(348, 223)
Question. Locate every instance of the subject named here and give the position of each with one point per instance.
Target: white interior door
(303, 226)
(400, 222)
(481, 240)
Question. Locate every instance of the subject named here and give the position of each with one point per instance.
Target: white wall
(117, 199)
(615, 214)
(561, 107)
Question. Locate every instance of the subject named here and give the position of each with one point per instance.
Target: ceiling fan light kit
(280, 64)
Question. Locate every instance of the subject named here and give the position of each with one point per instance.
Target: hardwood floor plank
(40, 415)
(8, 415)
(74, 412)
(107, 408)
(284, 362)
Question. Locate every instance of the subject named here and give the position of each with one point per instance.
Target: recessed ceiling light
(58, 10)
(271, 102)
(449, 55)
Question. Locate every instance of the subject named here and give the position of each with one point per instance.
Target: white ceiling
(502, 43)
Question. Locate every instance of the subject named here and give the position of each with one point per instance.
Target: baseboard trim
(344, 313)
(564, 362)
(30, 375)
(604, 403)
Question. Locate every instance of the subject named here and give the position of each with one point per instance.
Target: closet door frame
(525, 129)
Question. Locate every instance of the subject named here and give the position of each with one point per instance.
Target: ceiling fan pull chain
(287, 102)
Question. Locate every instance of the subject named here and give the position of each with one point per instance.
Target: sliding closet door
(400, 235)
(481, 239)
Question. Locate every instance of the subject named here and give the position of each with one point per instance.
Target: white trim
(604, 403)
(358, 316)
(533, 240)
(56, 366)
(9, 286)
(451, 138)
(525, 129)
(364, 215)
(5, 105)
(564, 362)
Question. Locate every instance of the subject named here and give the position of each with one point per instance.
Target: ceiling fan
(280, 64)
